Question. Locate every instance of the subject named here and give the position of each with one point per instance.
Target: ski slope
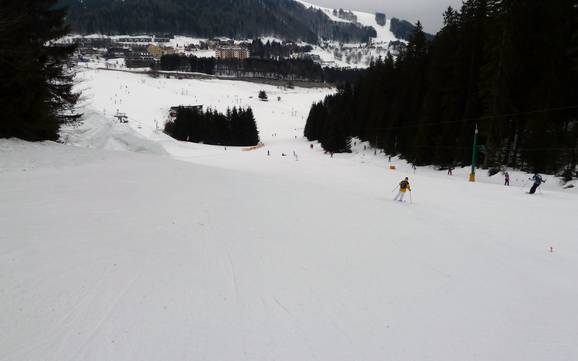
(384, 34)
(124, 244)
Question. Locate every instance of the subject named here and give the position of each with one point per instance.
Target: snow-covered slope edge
(101, 132)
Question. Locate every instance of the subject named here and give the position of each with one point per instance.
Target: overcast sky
(428, 11)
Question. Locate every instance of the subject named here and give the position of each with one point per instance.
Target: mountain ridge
(286, 19)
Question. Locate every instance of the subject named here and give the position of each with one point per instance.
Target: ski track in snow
(127, 245)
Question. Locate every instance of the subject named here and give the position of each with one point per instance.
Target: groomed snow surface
(384, 34)
(124, 244)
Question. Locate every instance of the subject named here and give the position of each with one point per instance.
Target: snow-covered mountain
(340, 37)
(286, 19)
(383, 31)
(356, 55)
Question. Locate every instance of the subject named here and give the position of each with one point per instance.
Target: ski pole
(394, 188)
(410, 200)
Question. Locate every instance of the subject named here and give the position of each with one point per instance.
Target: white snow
(384, 34)
(334, 54)
(193, 252)
(326, 11)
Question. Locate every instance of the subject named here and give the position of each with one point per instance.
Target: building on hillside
(91, 42)
(212, 43)
(191, 47)
(89, 51)
(157, 51)
(215, 43)
(138, 48)
(232, 52)
(135, 39)
(116, 53)
(139, 60)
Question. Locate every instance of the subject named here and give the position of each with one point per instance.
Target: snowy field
(124, 244)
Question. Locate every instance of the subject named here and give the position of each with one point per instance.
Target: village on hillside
(146, 51)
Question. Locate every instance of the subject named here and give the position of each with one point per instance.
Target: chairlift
(122, 117)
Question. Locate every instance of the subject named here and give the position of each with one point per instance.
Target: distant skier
(403, 187)
(506, 179)
(537, 182)
(450, 170)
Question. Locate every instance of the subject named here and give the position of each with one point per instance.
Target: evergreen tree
(235, 128)
(250, 132)
(36, 84)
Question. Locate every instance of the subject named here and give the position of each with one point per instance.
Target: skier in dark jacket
(537, 182)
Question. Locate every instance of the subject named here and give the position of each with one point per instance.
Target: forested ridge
(236, 19)
(282, 69)
(508, 67)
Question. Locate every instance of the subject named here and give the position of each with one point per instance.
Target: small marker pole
(472, 177)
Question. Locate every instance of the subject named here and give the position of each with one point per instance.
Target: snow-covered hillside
(329, 53)
(355, 55)
(384, 34)
(180, 251)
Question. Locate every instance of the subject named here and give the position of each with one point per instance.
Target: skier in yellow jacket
(403, 187)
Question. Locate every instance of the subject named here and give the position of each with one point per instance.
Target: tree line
(178, 62)
(275, 49)
(507, 67)
(236, 127)
(287, 69)
(36, 86)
